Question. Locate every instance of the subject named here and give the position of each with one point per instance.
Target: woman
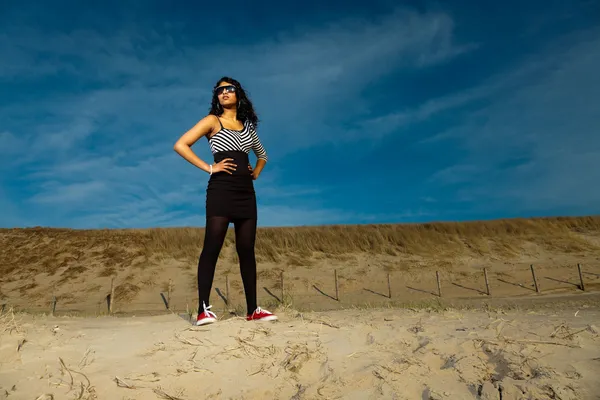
(230, 128)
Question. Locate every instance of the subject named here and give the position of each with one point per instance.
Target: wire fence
(329, 291)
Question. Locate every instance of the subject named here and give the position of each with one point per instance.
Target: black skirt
(231, 195)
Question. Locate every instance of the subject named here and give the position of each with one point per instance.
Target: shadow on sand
(377, 293)
(468, 288)
(272, 295)
(422, 291)
(516, 284)
(323, 293)
(561, 281)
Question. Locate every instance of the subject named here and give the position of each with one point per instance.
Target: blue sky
(371, 112)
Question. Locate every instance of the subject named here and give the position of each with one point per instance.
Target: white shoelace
(209, 313)
(259, 310)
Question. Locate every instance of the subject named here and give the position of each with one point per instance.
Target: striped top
(234, 140)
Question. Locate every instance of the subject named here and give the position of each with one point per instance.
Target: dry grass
(71, 273)
(30, 252)
(126, 291)
(26, 288)
(8, 322)
(43, 247)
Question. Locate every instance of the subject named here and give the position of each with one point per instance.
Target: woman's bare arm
(183, 145)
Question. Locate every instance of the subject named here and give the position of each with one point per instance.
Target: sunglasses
(226, 89)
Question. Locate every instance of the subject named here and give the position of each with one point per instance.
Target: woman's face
(226, 94)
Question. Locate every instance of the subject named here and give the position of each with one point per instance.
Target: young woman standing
(230, 128)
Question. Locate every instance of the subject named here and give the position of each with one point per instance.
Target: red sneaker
(206, 317)
(261, 315)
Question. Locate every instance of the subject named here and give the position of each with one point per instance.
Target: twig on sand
(261, 351)
(64, 367)
(152, 377)
(249, 349)
(82, 391)
(84, 360)
(158, 391)
(121, 383)
(327, 324)
(193, 355)
(299, 393)
(83, 388)
(560, 327)
(187, 341)
(262, 369)
(264, 331)
(165, 395)
(320, 321)
(378, 375)
(566, 332)
(528, 341)
(571, 335)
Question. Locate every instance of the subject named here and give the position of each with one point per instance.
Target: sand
(351, 354)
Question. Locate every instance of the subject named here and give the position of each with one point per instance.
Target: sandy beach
(544, 353)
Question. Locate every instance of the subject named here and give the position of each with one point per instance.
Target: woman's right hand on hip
(224, 165)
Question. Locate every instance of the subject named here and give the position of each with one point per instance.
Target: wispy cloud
(72, 193)
(106, 151)
(292, 76)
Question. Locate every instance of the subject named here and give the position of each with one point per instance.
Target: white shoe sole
(271, 318)
(205, 321)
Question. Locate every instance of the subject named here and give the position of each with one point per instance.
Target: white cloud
(71, 193)
(107, 153)
(291, 77)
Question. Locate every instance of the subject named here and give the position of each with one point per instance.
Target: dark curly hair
(245, 109)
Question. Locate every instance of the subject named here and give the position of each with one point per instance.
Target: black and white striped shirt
(233, 140)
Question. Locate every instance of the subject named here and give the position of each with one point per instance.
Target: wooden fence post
(111, 301)
(169, 289)
(537, 289)
(487, 284)
(53, 305)
(389, 286)
(581, 286)
(227, 290)
(439, 285)
(337, 296)
(282, 291)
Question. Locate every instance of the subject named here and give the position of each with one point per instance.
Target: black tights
(245, 235)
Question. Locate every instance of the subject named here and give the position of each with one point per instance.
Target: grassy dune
(46, 250)
(33, 257)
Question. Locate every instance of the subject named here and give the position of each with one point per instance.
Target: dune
(72, 270)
